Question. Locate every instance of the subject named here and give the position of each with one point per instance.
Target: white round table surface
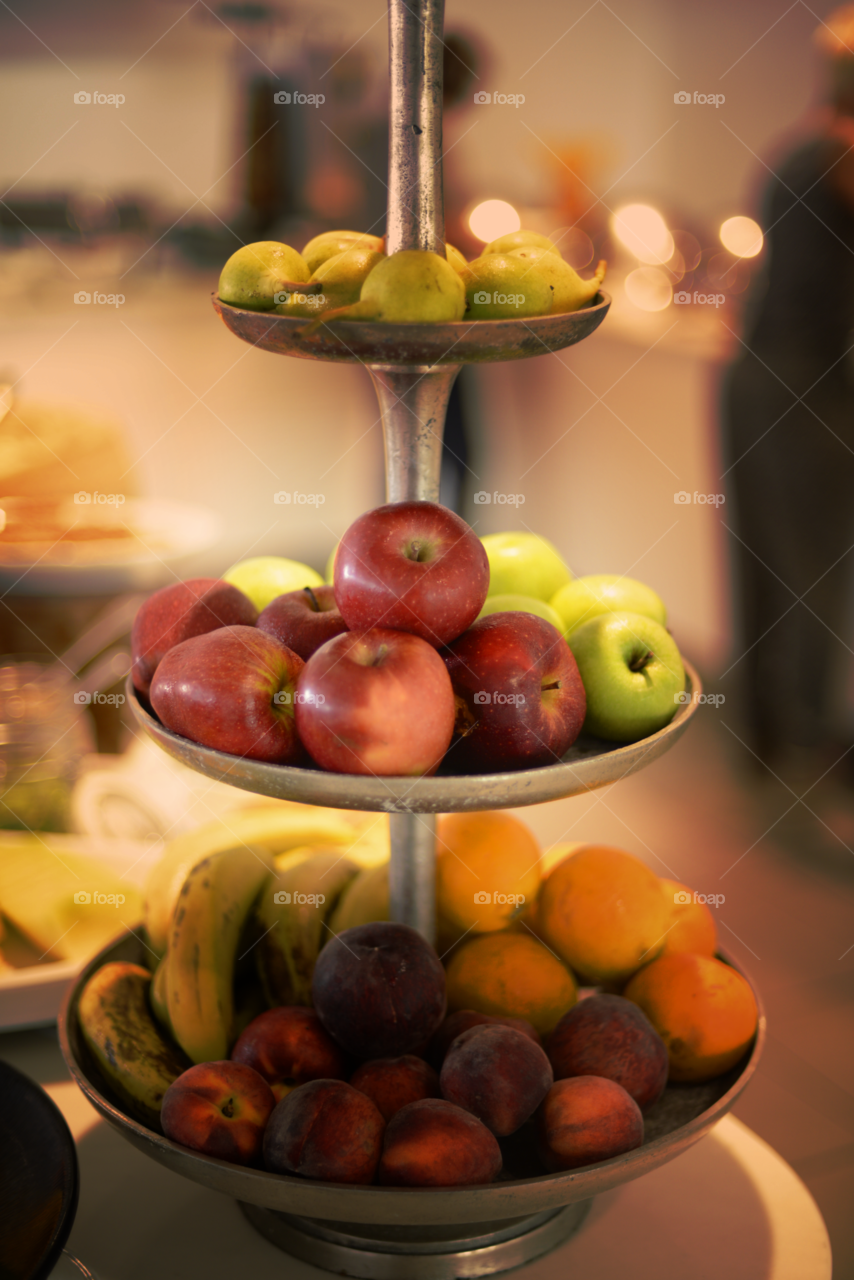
(728, 1209)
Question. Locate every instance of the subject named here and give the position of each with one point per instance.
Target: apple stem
(415, 551)
(381, 653)
(638, 664)
(313, 598)
(554, 685)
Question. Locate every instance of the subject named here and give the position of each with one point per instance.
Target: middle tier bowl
(588, 764)
(461, 342)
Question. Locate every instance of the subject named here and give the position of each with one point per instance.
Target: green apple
(632, 674)
(524, 564)
(586, 598)
(264, 577)
(521, 604)
(256, 273)
(330, 563)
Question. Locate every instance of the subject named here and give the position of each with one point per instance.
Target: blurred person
(789, 445)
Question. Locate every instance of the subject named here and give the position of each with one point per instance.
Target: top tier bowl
(418, 345)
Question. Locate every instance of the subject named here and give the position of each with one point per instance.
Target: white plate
(168, 534)
(32, 997)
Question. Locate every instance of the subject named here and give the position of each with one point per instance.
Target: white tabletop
(728, 1209)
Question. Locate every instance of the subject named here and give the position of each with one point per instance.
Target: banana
(214, 905)
(133, 1055)
(364, 900)
(292, 914)
(276, 829)
(157, 996)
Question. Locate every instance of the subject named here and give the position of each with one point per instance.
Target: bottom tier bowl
(419, 1233)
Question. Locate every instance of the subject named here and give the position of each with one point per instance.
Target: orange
(603, 912)
(513, 975)
(487, 869)
(692, 926)
(704, 1011)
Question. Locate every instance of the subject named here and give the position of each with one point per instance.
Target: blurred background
(144, 142)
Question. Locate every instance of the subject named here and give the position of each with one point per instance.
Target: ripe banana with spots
(213, 909)
(134, 1056)
(267, 826)
(292, 914)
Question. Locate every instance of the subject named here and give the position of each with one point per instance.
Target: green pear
(413, 286)
(262, 578)
(330, 243)
(254, 274)
(500, 287)
(586, 598)
(456, 259)
(517, 240)
(521, 604)
(342, 278)
(569, 291)
(524, 564)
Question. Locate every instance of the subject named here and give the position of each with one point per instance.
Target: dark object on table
(38, 1176)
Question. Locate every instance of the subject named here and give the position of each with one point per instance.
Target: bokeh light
(649, 289)
(575, 246)
(742, 236)
(689, 248)
(644, 233)
(493, 218)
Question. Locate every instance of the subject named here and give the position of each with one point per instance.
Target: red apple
(234, 690)
(288, 1046)
(411, 566)
(175, 613)
(220, 1108)
(377, 702)
(519, 698)
(303, 620)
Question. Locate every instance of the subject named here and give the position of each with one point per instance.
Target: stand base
(417, 1253)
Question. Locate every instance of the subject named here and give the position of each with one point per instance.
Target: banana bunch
(209, 924)
(276, 829)
(127, 1044)
(364, 900)
(292, 913)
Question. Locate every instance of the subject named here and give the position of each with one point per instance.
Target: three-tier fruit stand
(423, 1233)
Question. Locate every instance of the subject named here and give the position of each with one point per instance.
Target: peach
(379, 990)
(585, 1119)
(220, 1108)
(288, 1046)
(463, 1020)
(498, 1074)
(608, 1036)
(391, 1083)
(433, 1143)
(325, 1129)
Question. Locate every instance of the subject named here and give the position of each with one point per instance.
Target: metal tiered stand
(423, 1233)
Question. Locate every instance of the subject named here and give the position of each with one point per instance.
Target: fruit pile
(272, 1035)
(415, 657)
(346, 275)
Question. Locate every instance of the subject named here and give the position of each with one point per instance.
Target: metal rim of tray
(388, 1205)
(414, 345)
(588, 764)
